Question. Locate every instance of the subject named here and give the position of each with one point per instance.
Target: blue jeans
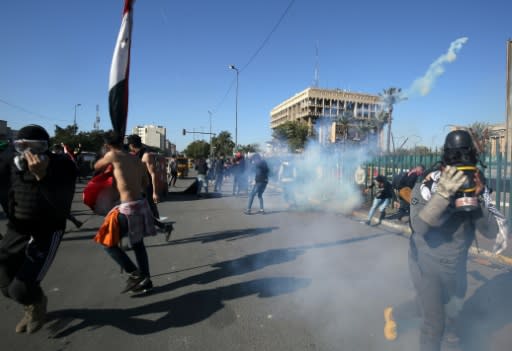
(381, 204)
(258, 188)
(123, 260)
(202, 182)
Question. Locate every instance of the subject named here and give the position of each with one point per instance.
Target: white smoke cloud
(423, 85)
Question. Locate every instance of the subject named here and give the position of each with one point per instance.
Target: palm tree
(390, 97)
(344, 122)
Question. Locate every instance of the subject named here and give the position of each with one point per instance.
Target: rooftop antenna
(97, 121)
(317, 75)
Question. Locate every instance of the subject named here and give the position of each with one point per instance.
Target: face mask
(22, 146)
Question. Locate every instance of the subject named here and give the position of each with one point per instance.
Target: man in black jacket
(37, 191)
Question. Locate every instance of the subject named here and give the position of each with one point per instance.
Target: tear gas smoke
(423, 85)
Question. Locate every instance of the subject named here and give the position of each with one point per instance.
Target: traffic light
(184, 132)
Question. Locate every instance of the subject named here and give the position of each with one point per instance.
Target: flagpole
(509, 100)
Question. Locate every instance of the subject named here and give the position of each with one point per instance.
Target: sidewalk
(482, 247)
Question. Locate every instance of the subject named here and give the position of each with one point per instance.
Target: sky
(57, 54)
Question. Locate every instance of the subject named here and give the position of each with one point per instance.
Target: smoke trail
(424, 84)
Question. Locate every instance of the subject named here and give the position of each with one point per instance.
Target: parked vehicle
(85, 162)
(183, 167)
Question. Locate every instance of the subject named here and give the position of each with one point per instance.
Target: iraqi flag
(119, 72)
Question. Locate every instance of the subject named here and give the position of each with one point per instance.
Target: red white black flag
(119, 73)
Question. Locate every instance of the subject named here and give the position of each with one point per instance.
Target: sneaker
(247, 211)
(389, 324)
(261, 211)
(144, 286)
(133, 280)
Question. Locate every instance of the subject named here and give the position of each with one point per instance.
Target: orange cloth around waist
(109, 232)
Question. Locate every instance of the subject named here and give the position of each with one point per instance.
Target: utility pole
(97, 121)
(211, 148)
(233, 67)
(74, 119)
(508, 123)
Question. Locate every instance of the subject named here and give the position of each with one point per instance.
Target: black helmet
(459, 148)
(459, 139)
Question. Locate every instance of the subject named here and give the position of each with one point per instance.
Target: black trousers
(24, 261)
(152, 205)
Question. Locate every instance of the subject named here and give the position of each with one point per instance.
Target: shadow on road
(229, 235)
(68, 237)
(196, 306)
(180, 311)
(486, 312)
(250, 263)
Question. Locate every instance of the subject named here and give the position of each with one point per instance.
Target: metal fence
(496, 168)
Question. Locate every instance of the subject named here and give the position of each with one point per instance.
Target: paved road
(228, 281)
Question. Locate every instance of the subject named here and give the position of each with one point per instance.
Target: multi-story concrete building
(327, 105)
(152, 135)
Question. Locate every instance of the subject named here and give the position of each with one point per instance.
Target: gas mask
(465, 198)
(460, 152)
(22, 146)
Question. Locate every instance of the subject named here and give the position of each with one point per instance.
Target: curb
(406, 231)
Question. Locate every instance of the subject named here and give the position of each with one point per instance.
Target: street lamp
(74, 120)
(236, 104)
(211, 149)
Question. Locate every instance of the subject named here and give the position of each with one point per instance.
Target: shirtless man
(136, 147)
(135, 218)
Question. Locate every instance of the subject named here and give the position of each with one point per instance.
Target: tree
(344, 123)
(292, 133)
(90, 141)
(223, 144)
(249, 148)
(198, 149)
(480, 132)
(390, 97)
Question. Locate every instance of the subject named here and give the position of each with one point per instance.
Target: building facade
(322, 109)
(497, 136)
(154, 136)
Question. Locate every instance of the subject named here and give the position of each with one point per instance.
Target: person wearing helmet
(36, 194)
(444, 227)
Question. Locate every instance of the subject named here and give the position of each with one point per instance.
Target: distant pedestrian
(202, 171)
(219, 173)
(238, 171)
(286, 175)
(173, 171)
(382, 198)
(261, 172)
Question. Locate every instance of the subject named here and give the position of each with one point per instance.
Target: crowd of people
(447, 205)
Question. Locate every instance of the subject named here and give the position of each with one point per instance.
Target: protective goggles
(34, 146)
